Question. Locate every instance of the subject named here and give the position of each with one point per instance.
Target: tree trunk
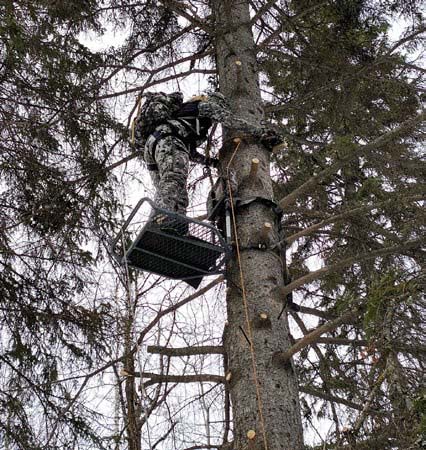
(264, 392)
(133, 407)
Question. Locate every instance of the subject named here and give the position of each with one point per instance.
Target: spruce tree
(55, 142)
(346, 247)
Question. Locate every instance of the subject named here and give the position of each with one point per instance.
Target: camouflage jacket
(193, 130)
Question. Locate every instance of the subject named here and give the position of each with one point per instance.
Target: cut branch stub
(265, 232)
(252, 179)
(262, 320)
(254, 167)
(251, 434)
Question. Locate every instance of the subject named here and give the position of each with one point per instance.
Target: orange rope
(245, 303)
(138, 110)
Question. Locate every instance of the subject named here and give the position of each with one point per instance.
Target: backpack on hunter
(160, 108)
(188, 114)
(157, 109)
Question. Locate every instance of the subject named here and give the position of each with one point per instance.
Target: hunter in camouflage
(170, 147)
(171, 157)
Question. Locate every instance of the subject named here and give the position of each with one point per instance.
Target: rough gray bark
(279, 402)
(132, 407)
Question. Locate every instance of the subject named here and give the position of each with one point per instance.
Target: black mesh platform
(176, 247)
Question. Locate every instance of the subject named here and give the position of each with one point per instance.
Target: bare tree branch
(333, 398)
(135, 348)
(365, 410)
(397, 346)
(181, 10)
(361, 209)
(324, 369)
(186, 351)
(158, 378)
(406, 39)
(310, 338)
(156, 82)
(316, 312)
(347, 262)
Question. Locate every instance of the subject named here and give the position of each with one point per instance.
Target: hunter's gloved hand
(270, 138)
(219, 99)
(212, 162)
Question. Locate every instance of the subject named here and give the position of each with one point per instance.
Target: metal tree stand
(176, 247)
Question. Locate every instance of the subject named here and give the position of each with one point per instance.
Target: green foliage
(419, 407)
(384, 293)
(337, 83)
(55, 196)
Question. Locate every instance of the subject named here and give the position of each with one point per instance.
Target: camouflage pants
(172, 158)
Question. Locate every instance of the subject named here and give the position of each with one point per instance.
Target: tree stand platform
(172, 246)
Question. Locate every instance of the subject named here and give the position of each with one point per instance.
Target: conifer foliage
(345, 90)
(54, 193)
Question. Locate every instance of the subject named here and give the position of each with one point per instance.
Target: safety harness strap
(265, 201)
(157, 135)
